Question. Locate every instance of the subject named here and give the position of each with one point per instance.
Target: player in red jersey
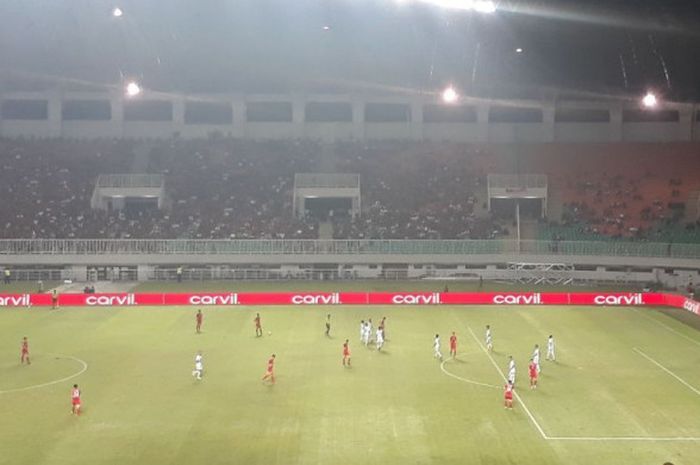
(346, 353)
(270, 374)
(508, 395)
(75, 400)
(532, 367)
(453, 344)
(200, 318)
(258, 326)
(25, 352)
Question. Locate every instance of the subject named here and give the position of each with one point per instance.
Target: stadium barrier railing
(343, 247)
(233, 299)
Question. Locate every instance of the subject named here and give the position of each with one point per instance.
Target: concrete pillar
(239, 116)
(55, 109)
(416, 119)
(143, 272)
(686, 122)
(548, 123)
(79, 273)
(358, 118)
(298, 114)
(616, 134)
(482, 122)
(116, 101)
(178, 114)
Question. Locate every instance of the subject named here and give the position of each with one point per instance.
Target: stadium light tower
(117, 12)
(133, 89)
(650, 100)
(484, 6)
(450, 95)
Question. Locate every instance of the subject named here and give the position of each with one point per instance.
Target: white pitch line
(37, 386)
(469, 381)
(493, 362)
(621, 438)
(675, 331)
(685, 383)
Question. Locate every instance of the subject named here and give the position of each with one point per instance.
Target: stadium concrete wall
(677, 122)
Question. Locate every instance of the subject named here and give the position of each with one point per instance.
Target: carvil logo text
(227, 299)
(316, 299)
(414, 299)
(523, 299)
(629, 299)
(692, 306)
(110, 300)
(15, 301)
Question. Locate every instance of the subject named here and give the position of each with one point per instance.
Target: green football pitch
(624, 390)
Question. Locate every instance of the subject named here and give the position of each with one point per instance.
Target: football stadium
(349, 232)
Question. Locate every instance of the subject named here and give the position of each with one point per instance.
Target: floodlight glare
(117, 12)
(133, 89)
(450, 95)
(519, 50)
(649, 100)
(484, 6)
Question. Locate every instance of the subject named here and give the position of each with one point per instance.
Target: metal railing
(344, 247)
(329, 180)
(137, 180)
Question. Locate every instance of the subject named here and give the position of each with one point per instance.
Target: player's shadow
(383, 352)
(458, 360)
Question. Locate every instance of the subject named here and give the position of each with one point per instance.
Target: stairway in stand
(325, 230)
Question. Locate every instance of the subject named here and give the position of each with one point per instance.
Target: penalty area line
(50, 383)
(495, 365)
(685, 383)
(465, 380)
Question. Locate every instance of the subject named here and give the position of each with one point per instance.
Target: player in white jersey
(488, 339)
(436, 347)
(511, 370)
(362, 331)
(380, 338)
(550, 348)
(368, 332)
(198, 366)
(536, 357)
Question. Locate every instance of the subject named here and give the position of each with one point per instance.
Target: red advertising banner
(356, 298)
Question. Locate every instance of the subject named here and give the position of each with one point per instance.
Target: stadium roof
(526, 49)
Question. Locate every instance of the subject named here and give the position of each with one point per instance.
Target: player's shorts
(533, 377)
(76, 401)
(453, 347)
(509, 396)
(25, 352)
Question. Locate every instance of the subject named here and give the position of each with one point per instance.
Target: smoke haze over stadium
(587, 48)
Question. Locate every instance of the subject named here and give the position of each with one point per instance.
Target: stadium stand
(240, 189)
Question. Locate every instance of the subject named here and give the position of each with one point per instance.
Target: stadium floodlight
(650, 100)
(450, 95)
(133, 89)
(117, 12)
(519, 50)
(484, 6)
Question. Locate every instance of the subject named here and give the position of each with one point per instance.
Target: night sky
(569, 49)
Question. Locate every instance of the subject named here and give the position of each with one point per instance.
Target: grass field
(626, 388)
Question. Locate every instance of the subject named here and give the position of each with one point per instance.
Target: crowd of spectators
(239, 189)
(625, 191)
(418, 191)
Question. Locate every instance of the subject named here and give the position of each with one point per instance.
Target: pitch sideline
(684, 382)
